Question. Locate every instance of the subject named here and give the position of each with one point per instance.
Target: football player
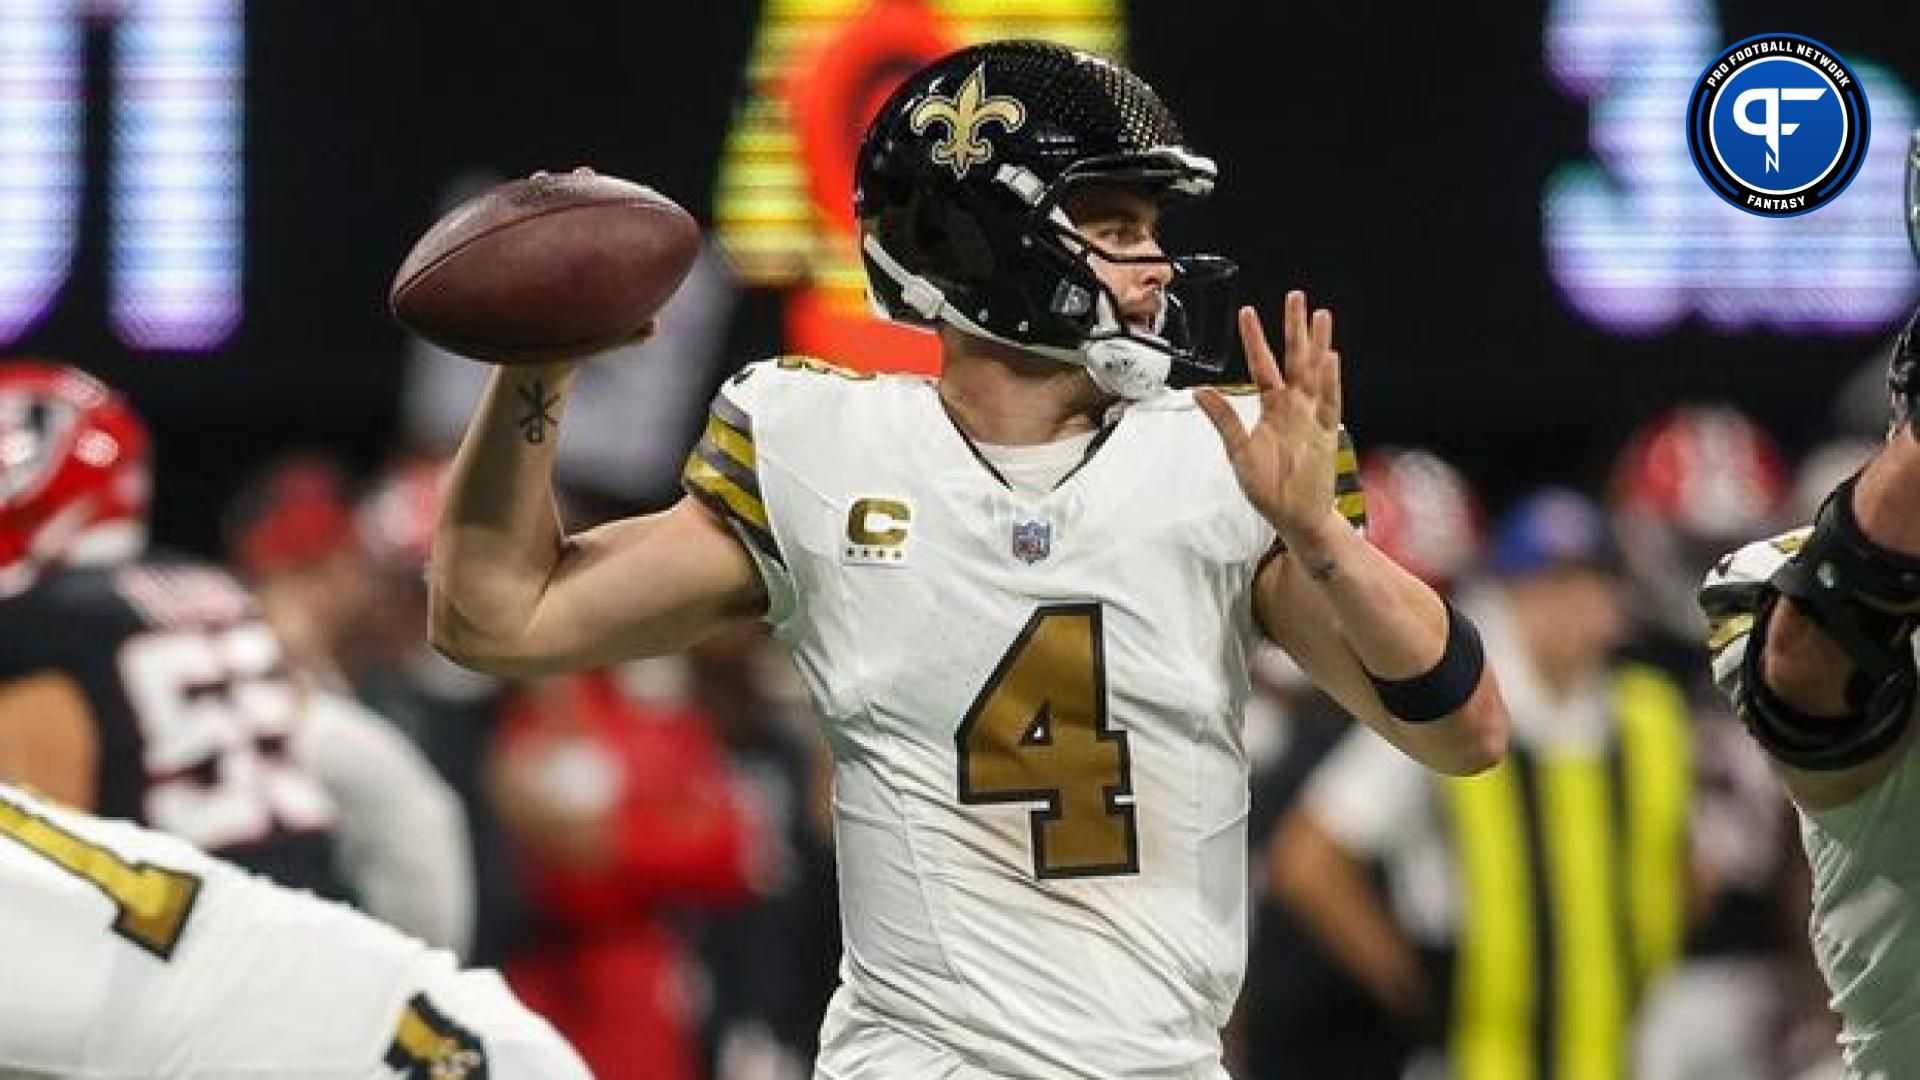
(1023, 595)
(130, 953)
(1813, 638)
(140, 686)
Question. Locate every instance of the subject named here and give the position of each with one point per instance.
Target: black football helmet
(960, 185)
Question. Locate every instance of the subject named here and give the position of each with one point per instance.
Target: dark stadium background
(1388, 156)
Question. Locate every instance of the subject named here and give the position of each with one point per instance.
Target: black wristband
(1444, 688)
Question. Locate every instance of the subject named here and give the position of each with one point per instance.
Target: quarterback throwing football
(1023, 595)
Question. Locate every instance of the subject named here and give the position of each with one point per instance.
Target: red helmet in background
(75, 480)
(1423, 514)
(294, 514)
(1690, 486)
(396, 516)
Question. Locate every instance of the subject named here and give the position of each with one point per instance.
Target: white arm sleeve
(402, 841)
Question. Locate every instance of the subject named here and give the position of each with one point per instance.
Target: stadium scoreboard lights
(1633, 241)
(1636, 242)
(173, 175)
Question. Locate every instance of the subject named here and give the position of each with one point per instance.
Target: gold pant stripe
(1590, 988)
(1493, 985)
(1656, 754)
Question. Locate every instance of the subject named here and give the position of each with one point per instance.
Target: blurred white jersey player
(127, 953)
(1865, 863)
(1813, 635)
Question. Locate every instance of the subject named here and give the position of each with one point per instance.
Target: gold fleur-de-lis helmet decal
(965, 116)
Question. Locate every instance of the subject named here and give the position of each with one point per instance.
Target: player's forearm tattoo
(1322, 570)
(537, 416)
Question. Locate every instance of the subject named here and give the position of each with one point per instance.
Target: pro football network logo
(1778, 125)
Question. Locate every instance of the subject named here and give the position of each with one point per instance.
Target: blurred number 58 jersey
(192, 705)
(1034, 702)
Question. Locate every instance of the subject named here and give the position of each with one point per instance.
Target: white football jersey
(128, 953)
(1034, 703)
(1866, 867)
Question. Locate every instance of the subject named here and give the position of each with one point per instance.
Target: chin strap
(1127, 367)
(1120, 365)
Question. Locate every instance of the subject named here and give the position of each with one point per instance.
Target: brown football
(554, 266)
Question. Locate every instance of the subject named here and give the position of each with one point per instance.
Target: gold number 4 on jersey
(1038, 732)
(152, 902)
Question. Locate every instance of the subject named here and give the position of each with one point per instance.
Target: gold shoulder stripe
(743, 478)
(729, 440)
(733, 416)
(816, 366)
(722, 472)
(427, 1045)
(701, 475)
(728, 500)
(1724, 631)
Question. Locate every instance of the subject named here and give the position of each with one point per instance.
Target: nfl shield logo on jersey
(1032, 540)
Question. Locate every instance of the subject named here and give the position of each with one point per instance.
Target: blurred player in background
(622, 819)
(1813, 638)
(402, 836)
(451, 712)
(132, 954)
(1024, 596)
(1303, 1015)
(139, 686)
(771, 963)
(290, 534)
(1525, 909)
(148, 686)
(1688, 484)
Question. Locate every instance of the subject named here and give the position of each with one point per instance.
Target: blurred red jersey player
(621, 810)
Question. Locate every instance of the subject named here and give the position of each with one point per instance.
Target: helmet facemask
(1913, 192)
(1193, 325)
(1903, 369)
(1081, 319)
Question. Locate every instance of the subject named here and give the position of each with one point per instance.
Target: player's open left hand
(1285, 463)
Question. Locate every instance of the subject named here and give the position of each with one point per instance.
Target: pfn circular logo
(1778, 125)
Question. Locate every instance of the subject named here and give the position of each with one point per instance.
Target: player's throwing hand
(1285, 463)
